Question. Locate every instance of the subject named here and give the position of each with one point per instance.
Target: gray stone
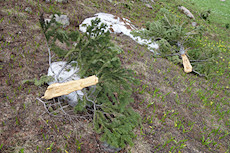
(63, 19)
(59, 1)
(147, 1)
(194, 24)
(28, 9)
(62, 1)
(149, 6)
(110, 148)
(186, 12)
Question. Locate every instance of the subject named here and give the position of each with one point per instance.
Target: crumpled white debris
(69, 73)
(63, 19)
(119, 25)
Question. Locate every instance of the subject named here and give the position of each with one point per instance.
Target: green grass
(220, 12)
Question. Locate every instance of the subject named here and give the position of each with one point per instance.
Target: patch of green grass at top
(218, 20)
(220, 10)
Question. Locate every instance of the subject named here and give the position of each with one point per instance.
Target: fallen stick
(186, 63)
(59, 89)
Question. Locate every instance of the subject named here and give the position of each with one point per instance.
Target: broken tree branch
(201, 75)
(59, 89)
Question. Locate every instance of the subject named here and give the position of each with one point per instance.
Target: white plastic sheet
(119, 25)
(69, 73)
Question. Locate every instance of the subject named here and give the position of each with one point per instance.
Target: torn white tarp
(63, 72)
(62, 19)
(119, 25)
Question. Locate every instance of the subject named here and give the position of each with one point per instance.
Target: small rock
(63, 19)
(110, 148)
(186, 12)
(59, 1)
(62, 1)
(28, 9)
(147, 1)
(194, 24)
(149, 6)
(74, 44)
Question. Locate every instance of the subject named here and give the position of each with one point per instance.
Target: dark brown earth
(25, 125)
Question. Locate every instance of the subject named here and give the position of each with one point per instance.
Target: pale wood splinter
(186, 64)
(59, 89)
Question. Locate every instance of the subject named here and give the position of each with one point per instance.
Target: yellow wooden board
(186, 63)
(59, 89)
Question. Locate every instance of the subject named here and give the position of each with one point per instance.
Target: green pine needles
(113, 118)
(173, 35)
(43, 80)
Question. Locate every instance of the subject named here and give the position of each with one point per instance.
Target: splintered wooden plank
(59, 89)
(186, 64)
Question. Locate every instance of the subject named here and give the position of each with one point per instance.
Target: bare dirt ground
(25, 126)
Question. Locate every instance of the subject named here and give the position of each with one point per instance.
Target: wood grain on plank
(186, 63)
(59, 89)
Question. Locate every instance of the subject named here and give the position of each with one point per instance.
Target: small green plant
(143, 89)
(17, 122)
(226, 134)
(43, 135)
(179, 145)
(50, 147)
(24, 106)
(206, 141)
(78, 145)
(43, 80)
(1, 146)
(165, 115)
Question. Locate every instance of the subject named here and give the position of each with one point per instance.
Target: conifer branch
(96, 54)
(170, 34)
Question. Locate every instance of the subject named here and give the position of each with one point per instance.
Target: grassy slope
(180, 112)
(220, 10)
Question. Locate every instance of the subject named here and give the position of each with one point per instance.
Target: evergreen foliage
(43, 80)
(96, 55)
(169, 31)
